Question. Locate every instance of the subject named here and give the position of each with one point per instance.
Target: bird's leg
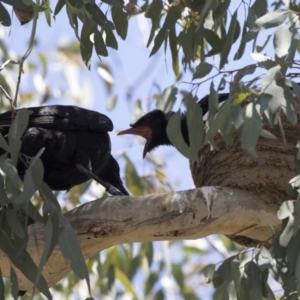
(108, 187)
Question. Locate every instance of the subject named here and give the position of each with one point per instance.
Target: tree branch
(190, 214)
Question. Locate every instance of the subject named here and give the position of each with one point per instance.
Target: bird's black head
(152, 127)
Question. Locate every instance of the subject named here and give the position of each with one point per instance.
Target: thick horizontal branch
(190, 214)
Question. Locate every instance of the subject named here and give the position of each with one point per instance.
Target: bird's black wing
(62, 117)
(204, 103)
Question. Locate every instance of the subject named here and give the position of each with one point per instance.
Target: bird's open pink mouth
(144, 132)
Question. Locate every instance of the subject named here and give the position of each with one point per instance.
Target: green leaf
(214, 40)
(47, 13)
(173, 15)
(49, 198)
(251, 128)
(51, 231)
(2, 288)
(243, 72)
(252, 281)
(116, 3)
(160, 37)
(220, 120)
(195, 126)
(60, 4)
(175, 135)
(208, 272)
(153, 11)
(14, 284)
(282, 41)
(202, 70)
(4, 16)
(167, 100)
(147, 250)
(26, 265)
(10, 171)
(150, 282)
(99, 44)
(294, 45)
(177, 273)
(14, 223)
(174, 51)
(208, 6)
(269, 86)
(112, 102)
(71, 250)
(290, 110)
(261, 48)
(86, 46)
(285, 213)
(15, 133)
(110, 40)
(120, 20)
(3, 197)
(132, 179)
(229, 40)
(32, 180)
(126, 282)
(270, 20)
(98, 16)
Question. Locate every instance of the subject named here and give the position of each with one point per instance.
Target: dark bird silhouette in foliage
(153, 125)
(77, 146)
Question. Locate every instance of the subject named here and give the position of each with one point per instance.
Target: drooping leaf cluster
(17, 212)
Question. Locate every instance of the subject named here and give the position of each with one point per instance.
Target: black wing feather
(63, 117)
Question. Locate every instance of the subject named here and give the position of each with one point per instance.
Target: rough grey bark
(190, 214)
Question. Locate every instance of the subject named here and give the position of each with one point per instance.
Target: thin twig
(27, 53)
(6, 94)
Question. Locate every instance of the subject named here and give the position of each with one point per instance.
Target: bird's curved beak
(144, 132)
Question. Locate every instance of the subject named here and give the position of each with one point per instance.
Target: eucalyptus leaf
(99, 44)
(15, 133)
(110, 40)
(126, 282)
(120, 20)
(32, 181)
(10, 170)
(270, 20)
(174, 51)
(26, 265)
(153, 11)
(4, 16)
(14, 284)
(229, 40)
(112, 102)
(167, 100)
(175, 135)
(195, 126)
(86, 46)
(3, 197)
(51, 231)
(282, 41)
(2, 288)
(14, 223)
(71, 250)
(60, 4)
(132, 179)
(202, 70)
(251, 128)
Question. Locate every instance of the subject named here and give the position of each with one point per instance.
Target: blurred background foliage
(181, 36)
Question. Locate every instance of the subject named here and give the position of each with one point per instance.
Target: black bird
(153, 125)
(77, 146)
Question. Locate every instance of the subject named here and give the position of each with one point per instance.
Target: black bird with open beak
(153, 126)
